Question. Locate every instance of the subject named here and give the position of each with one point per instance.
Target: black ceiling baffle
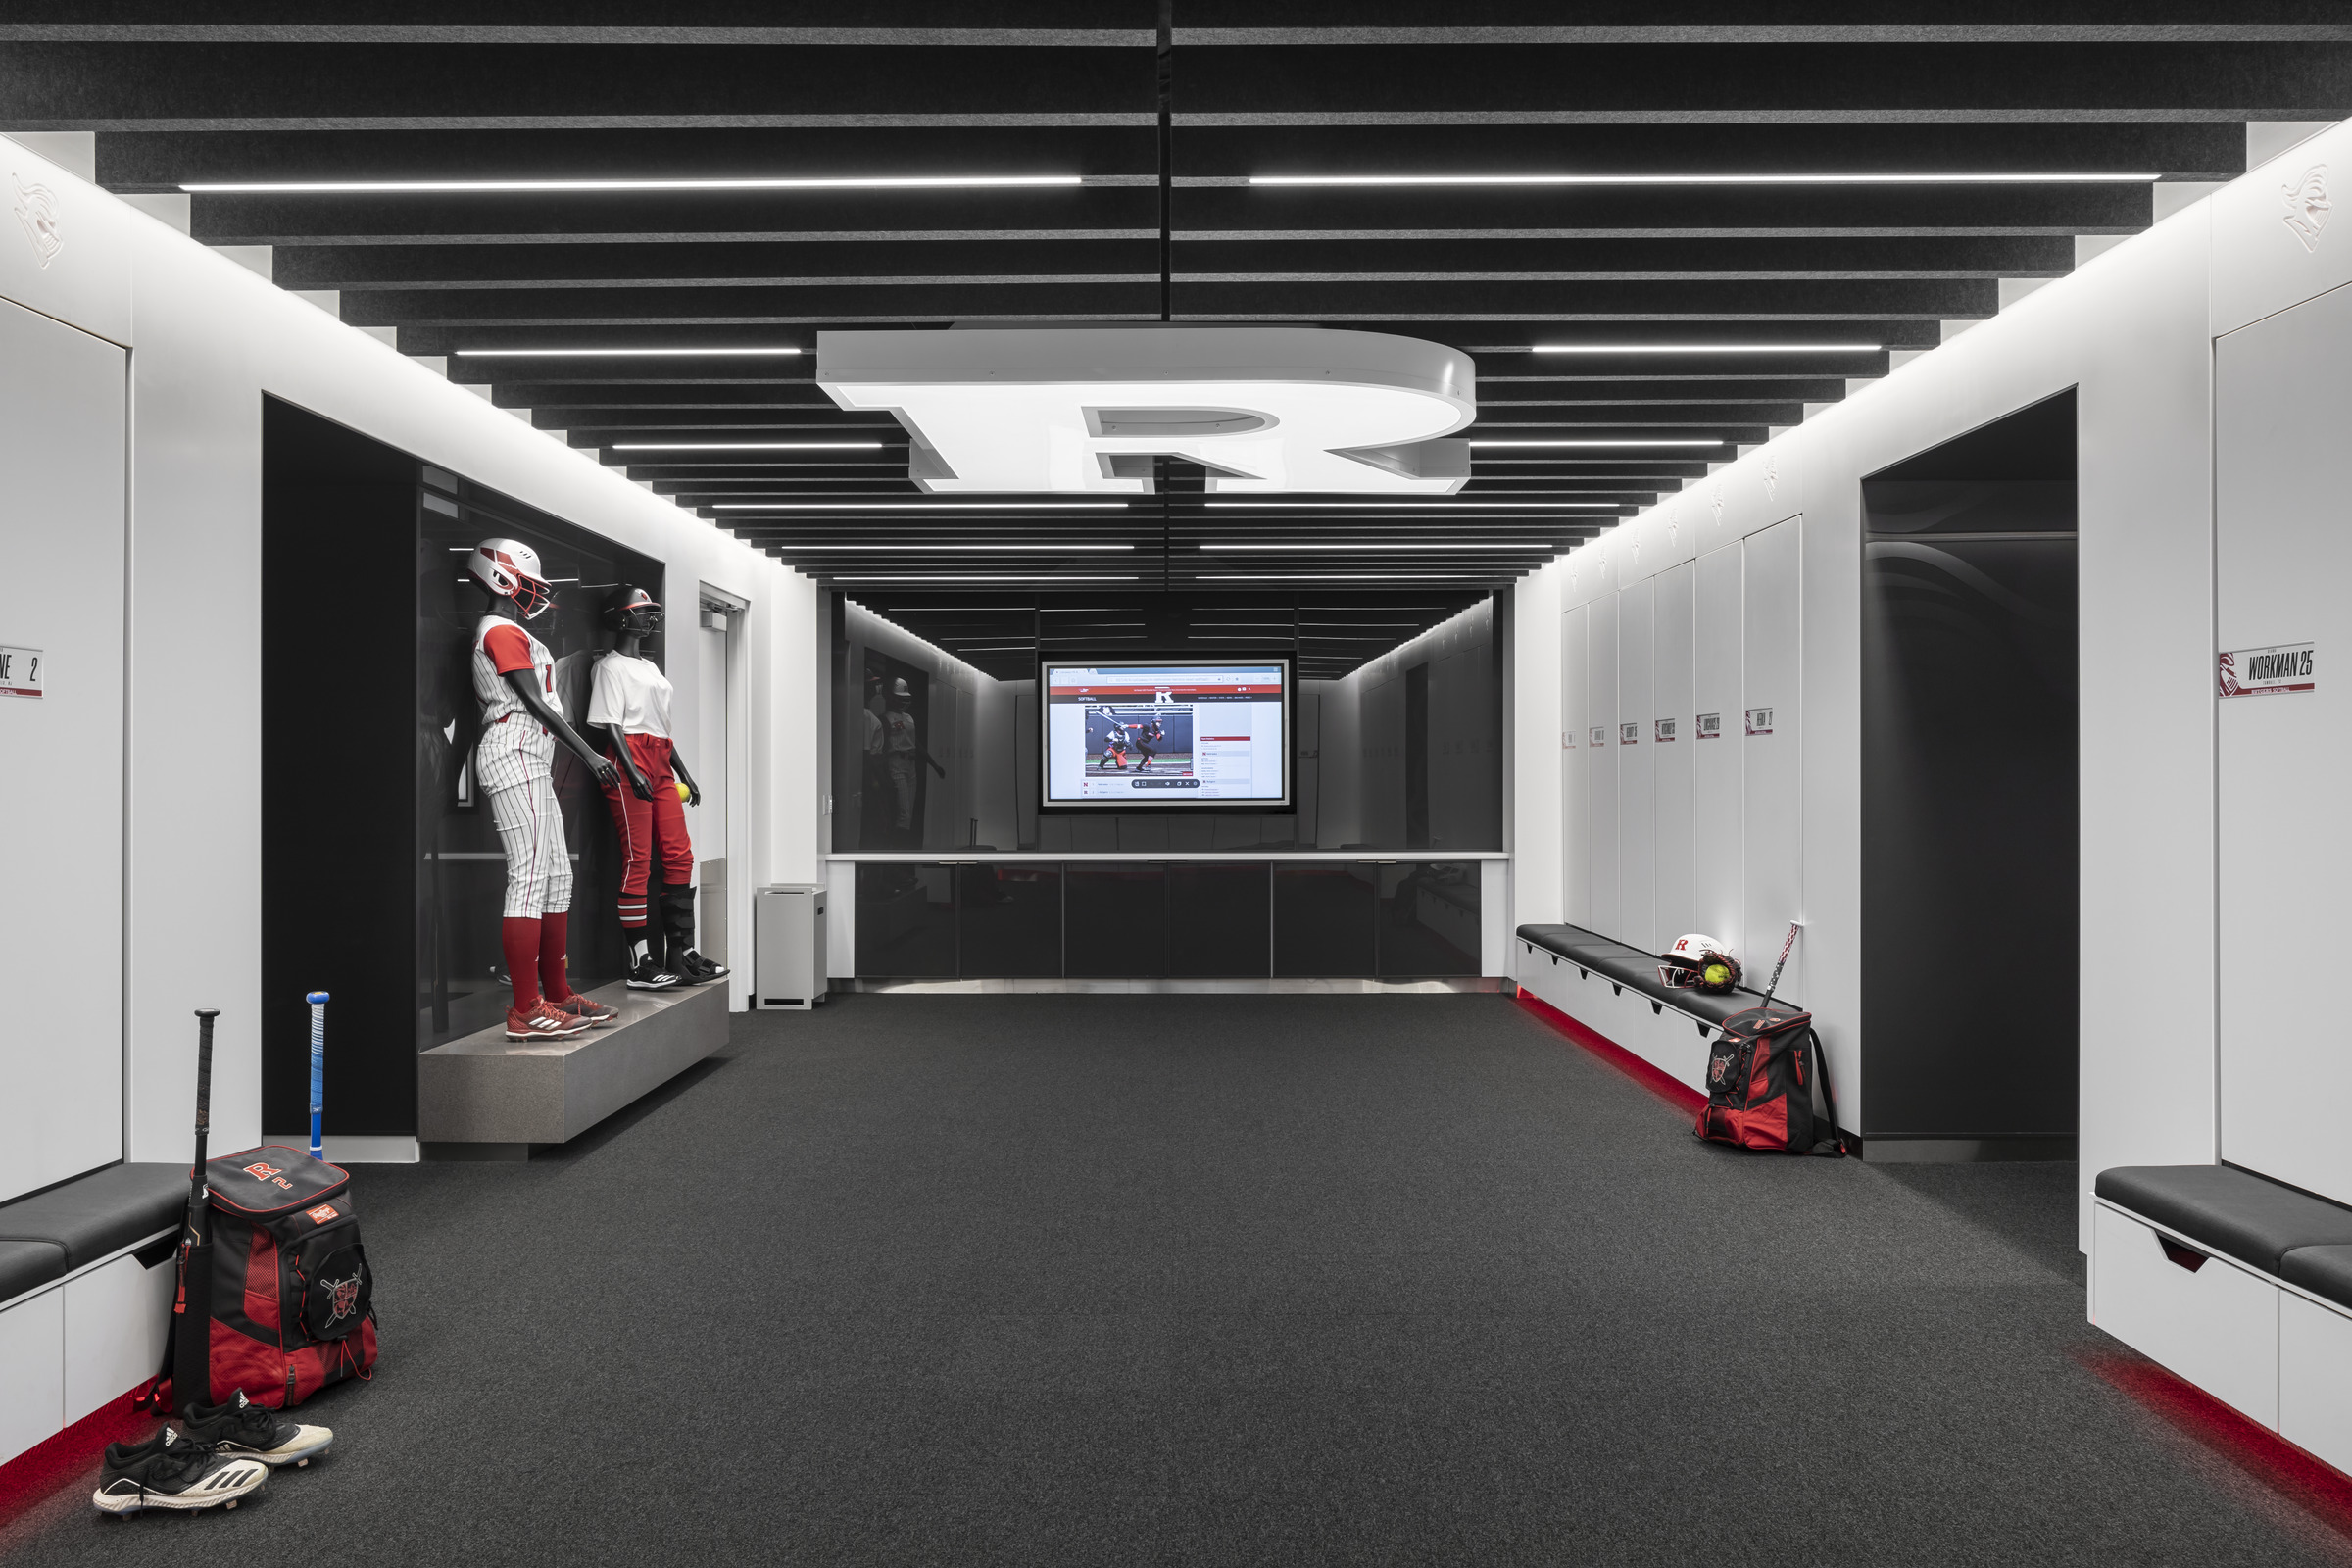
(1762, 237)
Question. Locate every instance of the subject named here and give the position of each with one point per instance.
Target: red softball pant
(649, 827)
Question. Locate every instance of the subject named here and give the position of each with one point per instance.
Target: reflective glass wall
(931, 753)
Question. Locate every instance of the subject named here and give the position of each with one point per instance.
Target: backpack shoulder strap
(1833, 1145)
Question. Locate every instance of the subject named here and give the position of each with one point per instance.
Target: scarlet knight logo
(345, 1294)
(1717, 1068)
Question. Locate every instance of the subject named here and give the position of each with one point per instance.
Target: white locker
(1576, 874)
(1772, 657)
(1718, 831)
(62, 419)
(1675, 876)
(1601, 761)
(2282, 555)
(1636, 833)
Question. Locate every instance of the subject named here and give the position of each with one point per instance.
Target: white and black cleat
(651, 976)
(168, 1471)
(243, 1430)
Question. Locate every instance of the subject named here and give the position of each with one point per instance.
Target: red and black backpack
(1768, 1087)
(292, 1305)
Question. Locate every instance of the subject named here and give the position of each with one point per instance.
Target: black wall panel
(1219, 921)
(1115, 920)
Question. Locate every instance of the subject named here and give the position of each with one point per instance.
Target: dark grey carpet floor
(1122, 1280)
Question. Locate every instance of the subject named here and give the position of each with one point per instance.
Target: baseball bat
(192, 1350)
(1794, 926)
(317, 1002)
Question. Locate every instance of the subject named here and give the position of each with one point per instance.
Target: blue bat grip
(317, 1002)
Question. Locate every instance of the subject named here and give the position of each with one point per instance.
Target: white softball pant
(538, 860)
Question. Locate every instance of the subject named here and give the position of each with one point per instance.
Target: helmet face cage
(532, 596)
(634, 610)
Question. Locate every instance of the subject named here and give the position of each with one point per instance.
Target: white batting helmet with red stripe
(509, 568)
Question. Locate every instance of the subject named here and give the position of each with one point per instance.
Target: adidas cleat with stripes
(168, 1471)
(242, 1430)
(543, 1021)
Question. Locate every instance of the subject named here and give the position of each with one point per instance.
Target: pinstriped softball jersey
(513, 761)
(513, 749)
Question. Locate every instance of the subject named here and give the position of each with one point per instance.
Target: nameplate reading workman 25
(2273, 672)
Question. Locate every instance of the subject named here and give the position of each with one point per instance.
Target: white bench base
(69, 1347)
(2270, 1350)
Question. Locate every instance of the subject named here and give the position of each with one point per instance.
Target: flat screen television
(1166, 734)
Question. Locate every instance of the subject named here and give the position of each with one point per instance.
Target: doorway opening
(1970, 800)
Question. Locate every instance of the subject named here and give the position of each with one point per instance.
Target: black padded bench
(1628, 969)
(2283, 1230)
(70, 1226)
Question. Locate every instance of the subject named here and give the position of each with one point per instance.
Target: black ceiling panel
(1759, 239)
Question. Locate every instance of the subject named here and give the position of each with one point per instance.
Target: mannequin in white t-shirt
(629, 701)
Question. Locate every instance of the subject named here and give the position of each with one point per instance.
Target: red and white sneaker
(544, 1021)
(580, 1006)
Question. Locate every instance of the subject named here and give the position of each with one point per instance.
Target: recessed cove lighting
(745, 446)
(917, 506)
(1706, 348)
(744, 352)
(398, 187)
(2068, 178)
(1644, 443)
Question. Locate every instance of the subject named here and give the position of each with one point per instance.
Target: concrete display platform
(486, 1097)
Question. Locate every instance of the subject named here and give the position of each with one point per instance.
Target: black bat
(192, 1311)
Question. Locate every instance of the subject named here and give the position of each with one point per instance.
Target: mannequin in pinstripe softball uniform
(522, 719)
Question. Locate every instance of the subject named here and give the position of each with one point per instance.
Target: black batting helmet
(633, 610)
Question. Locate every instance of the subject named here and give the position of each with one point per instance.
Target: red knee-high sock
(554, 931)
(521, 939)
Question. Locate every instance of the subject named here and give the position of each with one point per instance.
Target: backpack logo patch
(345, 1297)
(321, 1214)
(260, 1171)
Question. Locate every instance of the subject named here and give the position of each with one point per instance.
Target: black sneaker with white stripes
(651, 976)
(168, 1471)
(242, 1430)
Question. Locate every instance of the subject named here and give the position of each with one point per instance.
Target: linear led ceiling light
(1341, 576)
(745, 446)
(1433, 505)
(1531, 545)
(746, 352)
(1706, 348)
(917, 506)
(400, 187)
(1913, 178)
(1025, 576)
(1677, 443)
(1040, 546)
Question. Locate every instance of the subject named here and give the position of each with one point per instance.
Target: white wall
(208, 338)
(2134, 331)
